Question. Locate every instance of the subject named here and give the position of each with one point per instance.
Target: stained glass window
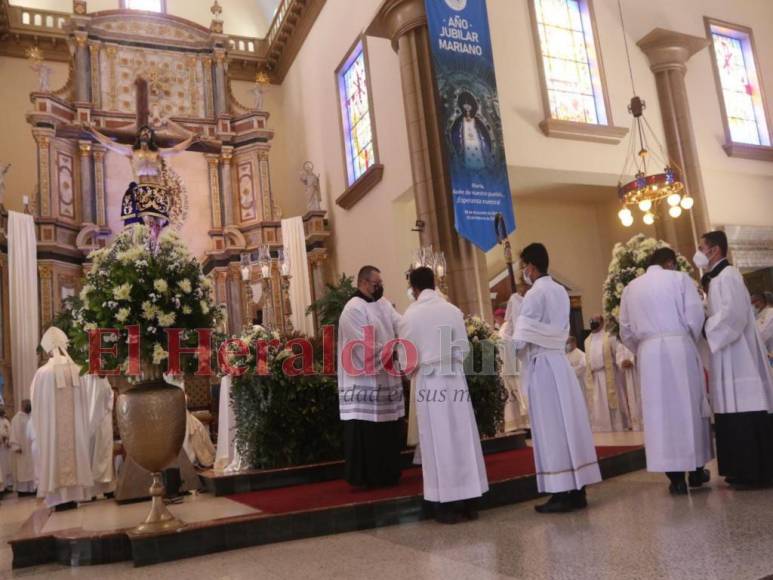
(740, 86)
(570, 62)
(148, 5)
(356, 114)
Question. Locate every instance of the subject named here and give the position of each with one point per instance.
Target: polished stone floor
(633, 529)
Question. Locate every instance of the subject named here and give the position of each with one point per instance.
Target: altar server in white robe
(453, 470)
(629, 375)
(739, 377)
(22, 448)
(661, 318)
(576, 358)
(517, 405)
(605, 394)
(60, 417)
(564, 454)
(100, 396)
(6, 475)
(763, 308)
(371, 399)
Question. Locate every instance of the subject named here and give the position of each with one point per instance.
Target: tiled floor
(633, 529)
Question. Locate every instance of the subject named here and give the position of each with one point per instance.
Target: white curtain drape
(294, 240)
(23, 302)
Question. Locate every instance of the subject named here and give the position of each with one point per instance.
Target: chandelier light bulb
(674, 199)
(649, 218)
(687, 202)
(675, 211)
(645, 205)
(624, 214)
(627, 221)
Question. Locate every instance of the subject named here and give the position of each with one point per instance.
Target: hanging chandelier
(647, 189)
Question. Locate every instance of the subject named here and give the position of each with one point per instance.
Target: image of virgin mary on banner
(470, 119)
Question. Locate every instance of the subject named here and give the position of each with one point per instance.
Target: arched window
(146, 5)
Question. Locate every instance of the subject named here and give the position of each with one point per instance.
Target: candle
(25, 199)
(245, 273)
(265, 270)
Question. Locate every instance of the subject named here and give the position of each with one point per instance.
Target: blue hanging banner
(469, 118)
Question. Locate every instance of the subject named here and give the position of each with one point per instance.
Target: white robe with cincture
(739, 376)
(364, 394)
(517, 404)
(564, 454)
(661, 317)
(451, 457)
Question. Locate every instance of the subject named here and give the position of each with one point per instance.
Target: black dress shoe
(579, 499)
(559, 503)
(63, 507)
(447, 513)
(698, 477)
(470, 510)
(678, 488)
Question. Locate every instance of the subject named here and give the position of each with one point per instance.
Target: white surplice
(100, 396)
(739, 377)
(564, 454)
(23, 463)
(60, 416)
(630, 379)
(517, 404)
(451, 457)
(661, 317)
(367, 392)
(603, 417)
(6, 473)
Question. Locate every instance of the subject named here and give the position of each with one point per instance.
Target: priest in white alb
(517, 404)
(739, 377)
(60, 417)
(22, 451)
(371, 399)
(576, 358)
(564, 454)
(629, 376)
(453, 470)
(661, 318)
(100, 400)
(604, 390)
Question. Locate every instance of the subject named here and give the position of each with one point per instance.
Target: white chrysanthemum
(149, 310)
(166, 318)
(185, 285)
(204, 307)
(187, 309)
(122, 314)
(160, 285)
(159, 353)
(85, 291)
(122, 292)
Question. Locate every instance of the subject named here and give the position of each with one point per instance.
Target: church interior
(254, 155)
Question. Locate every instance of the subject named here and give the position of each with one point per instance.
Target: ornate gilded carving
(99, 183)
(96, 96)
(206, 63)
(44, 171)
(65, 187)
(214, 190)
(112, 94)
(45, 277)
(84, 148)
(265, 188)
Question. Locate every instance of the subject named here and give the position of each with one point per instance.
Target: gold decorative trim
(96, 93)
(99, 184)
(573, 470)
(214, 190)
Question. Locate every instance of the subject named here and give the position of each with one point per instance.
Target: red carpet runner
(499, 466)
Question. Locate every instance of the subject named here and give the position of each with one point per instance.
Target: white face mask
(409, 292)
(526, 278)
(701, 260)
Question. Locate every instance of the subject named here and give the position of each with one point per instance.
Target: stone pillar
(87, 183)
(96, 96)
(44, 138)
(404, 22)
(227, 186)
(668, 53)
(82, 68)
(99, 184)
(221, 102)
(213, 162)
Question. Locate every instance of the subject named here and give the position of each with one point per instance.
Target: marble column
(668, 53)
(213, 162)
(82, 68)
(99, 184)
(227, 185)
(44, 138)
(87, 183)
(404, 22)
(221, 102)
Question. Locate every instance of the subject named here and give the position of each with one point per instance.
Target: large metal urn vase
(151, 420)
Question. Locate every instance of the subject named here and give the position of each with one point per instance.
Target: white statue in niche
(310, 181)
(3, 170)
(259, 90)
(44, 76)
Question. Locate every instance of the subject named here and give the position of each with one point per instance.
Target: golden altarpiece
(80, 183)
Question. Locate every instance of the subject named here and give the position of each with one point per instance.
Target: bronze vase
(152, 423)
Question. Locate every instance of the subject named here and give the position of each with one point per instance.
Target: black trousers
(745, 446)
(372, 452)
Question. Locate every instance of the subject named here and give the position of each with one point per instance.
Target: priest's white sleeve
(693, 307)
(729, 320)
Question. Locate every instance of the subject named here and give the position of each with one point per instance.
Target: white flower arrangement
(629, 261)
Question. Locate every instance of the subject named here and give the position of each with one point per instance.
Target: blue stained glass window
(570, 62)
(356, 114)
(740, 86)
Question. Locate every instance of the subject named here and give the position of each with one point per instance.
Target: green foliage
(484, 380)
(328, 308)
